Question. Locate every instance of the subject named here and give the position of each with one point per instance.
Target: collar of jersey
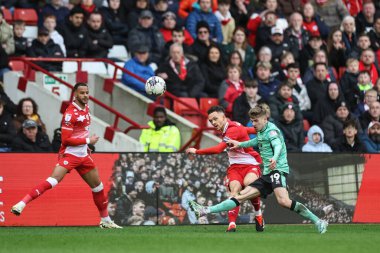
(265, 127)
(225, 127)
(77, 106)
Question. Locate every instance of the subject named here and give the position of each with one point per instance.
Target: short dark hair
(257, 111)
(350, 123)
(318, 64)
(77, 85)
(77, 10)
(18, 23)
(224, 2)
(283, 84)
(159, 109)
(178, 29)
(251, 83)
(294, 65)
(216, 108)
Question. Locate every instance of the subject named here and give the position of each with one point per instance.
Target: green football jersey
(271, 144)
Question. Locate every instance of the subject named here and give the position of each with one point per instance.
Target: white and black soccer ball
(155, 85)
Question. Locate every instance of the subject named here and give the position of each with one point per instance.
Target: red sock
(256, 203)
(101, 203)
(233, 214)
(37, 191)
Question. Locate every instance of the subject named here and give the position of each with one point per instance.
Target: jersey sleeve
(212, 150)
(67, 128)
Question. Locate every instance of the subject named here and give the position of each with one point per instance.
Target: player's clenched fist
(94, 139)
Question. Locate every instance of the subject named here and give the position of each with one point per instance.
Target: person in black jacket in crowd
(373, 114)
(7, 130)
(9, 107)
(349, 81)
(99, 39)
(75, 33)
(291, 127)
(21, 43)
(115, 23)
(31, 139)
(182, 75)
(316, 88)
(124, 205)
(203, 41)
(247, 100)
(374, 34)
(45, 47)
(349, 141)
(332, 125)
(135, 11)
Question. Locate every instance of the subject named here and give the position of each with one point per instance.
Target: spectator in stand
(372, 139)
(99, 39)
(373, 114)
(236, 59)
(320, 56)
(353, 6)
(6, 35)
(280, 73)
(203, 41)
(115, 22)
(226, 20)
(139, 65)
(178, 37)
(374, 35)
(366, 18)
(31, 139)
(278, 47)
(167, 191)
(315, 141)
(88, 6)
(267, 85)
(50, 24)
(134, 14)
(231, 88)
(145, 33)
(349, 35)
(9, 107)
(182, 75)
(349, 140)
(332, 11)
(336, 49)
(332, 125)
(247, 100)
(187, 6)
(264, 30)
(75, 34)
(288, 8)
(204, 13)
(317, 87)
(7, 129)
(28, 109)
(162, 136)
(295, 35)
(214, 71)
(55, 8)
(241, 10)
(187, 196)
(21, 43)
(367, 62)
(370, 97)
(265, 54)
(314, 45)
(291, 127)
(283, 95)
(169, 22)
(313, 23)
(298, 88)
(239, 42)
(364, 42)
(45, 47)
(256, 20)
(124, 205)
(349, 81)
(328, 103)
(159, 8)
(151, 215)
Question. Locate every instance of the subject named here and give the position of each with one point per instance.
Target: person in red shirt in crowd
(74, 154)
(353, 6)
(313, 22)
(169, 23)
(367, 62)
(244, 162)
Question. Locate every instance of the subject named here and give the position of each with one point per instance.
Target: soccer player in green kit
(272, 149)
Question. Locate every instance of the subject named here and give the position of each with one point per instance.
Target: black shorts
(267, 183)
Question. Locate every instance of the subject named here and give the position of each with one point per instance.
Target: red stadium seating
(187, 112)
(206, 103)
(306, 125)
(341, 72)
(7, 15)
(28, 15)
(17, 65)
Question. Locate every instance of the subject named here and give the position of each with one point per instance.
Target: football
(155, 85)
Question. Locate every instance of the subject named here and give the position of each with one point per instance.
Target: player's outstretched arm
(206, 151)
(232, 144)
(251, 143)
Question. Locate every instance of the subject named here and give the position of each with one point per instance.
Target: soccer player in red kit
(74, 154)
(244, 162)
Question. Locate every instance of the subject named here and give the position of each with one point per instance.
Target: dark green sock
(303, 211)
(226, 205)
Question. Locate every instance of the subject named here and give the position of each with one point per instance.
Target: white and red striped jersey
(75, 128)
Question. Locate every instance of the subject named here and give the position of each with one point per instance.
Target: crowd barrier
(154, 188)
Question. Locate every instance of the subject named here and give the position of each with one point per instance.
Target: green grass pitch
(193, 239)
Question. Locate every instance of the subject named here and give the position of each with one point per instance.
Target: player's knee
(284, 202)
(52, 181)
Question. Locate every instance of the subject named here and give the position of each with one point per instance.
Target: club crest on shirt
(273, 133)
(67, 117)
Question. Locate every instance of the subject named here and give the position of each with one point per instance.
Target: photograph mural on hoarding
(154, 188)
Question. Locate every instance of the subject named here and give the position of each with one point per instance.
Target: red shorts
(237, 172)
(81, 164)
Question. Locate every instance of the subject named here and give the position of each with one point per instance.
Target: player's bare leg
(234, 187)
(93, 180)
(283, 199)
(259, 221)
(56, 177)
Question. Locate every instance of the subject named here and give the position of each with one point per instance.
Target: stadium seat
(118, 51)
(337, 77)
(306, 125)
(111, 69)
(341, 72)
(7, 15)
(69, 67)
(94, 68)
(186, 112)
(206, 103)
(17, 65)
(30, 32)
(28, 15)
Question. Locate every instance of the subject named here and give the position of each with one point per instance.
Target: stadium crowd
(314, 62)
(149, 189)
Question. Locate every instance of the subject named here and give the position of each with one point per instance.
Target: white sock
(232, 223)
(106, 219)
(258, 213)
